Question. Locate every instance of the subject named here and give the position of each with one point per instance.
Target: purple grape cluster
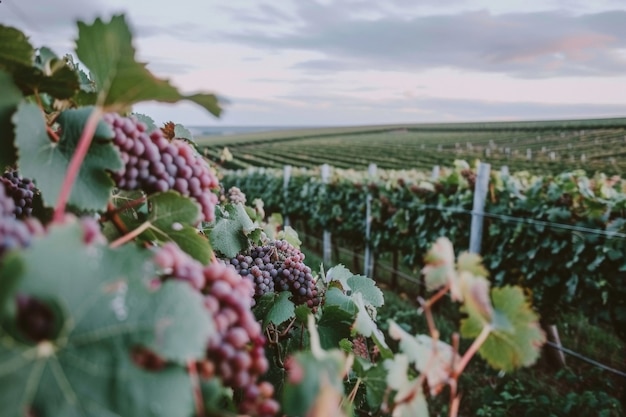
(15, 233)
(277, 266)
(154, 164)
(295, 276)
(22, 190)
(235, 352)
(259, 267)
(237, 349)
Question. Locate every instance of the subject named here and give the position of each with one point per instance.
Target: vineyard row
(577, 266)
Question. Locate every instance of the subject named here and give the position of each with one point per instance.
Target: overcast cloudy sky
(346, 62)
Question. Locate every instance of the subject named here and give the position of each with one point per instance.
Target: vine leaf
(106, 49)
(171, 217)
(475, 291)
(9, 99)
(47, 162)
(281, 310)
(372, 295)
(147, 120)
(182, 132)
(374, 377)
(409, 396)
(434, 359)
(338, 315)
(16, 52)
(439, 269)
(315, 379)
(50, 75)
(366, 326)
(106, 309)
(471, 262)
(341, 274)
(516, 338)
(232, 230)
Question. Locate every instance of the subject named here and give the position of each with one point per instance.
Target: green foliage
(47, 162)
(174, 217)
(99, 316)
(562, 269)
(106, 49)
(232, 230)
(9, 100)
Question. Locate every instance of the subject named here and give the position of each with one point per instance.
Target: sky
(363, 62)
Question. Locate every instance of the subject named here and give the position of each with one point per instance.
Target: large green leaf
(106, 49)
(366, 326)
(372, 295)
(46, 162)
(315, 379)
(51, 75)
(9, 99)
(16, 52)
(338, 315)
(105, 309)
(516, 336)
(280, 310)
(172, 217)
(233, 230)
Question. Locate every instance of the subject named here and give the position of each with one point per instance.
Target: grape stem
(115, 218)
(52, 134)
(131, 235)
(77, 160)
(478, 342)
(197, 391)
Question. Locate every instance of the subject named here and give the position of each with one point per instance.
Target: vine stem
(473, 349)
(115, 218)
(77, 159)
(197, 391)
(52, 134)
(131, 235)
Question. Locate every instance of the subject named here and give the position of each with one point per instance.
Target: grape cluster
(235, 352)
(177, 264)
(277, 266)
(259, 267)
(294, 275)
(14, 233)
(154, 164)
(22, 190)
(236, 196)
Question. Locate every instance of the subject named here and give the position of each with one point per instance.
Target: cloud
(48, 16)
(523, 45)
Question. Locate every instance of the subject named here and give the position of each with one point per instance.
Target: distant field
(540, 146)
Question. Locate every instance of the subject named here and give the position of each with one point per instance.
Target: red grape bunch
(294, 275)
(14, 233)
(22, 190)
(154, 164)
(258, 266)
(236, 352)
